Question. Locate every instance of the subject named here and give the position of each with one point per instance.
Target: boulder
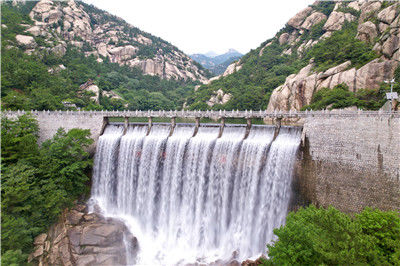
(98, 241)
(27, 41)
(39, 240)
(336, 20)
(283, 39)
(390, 46)
(367, 32)
(74, 217)
(371, 75)
(354, 5)
(334, 70)
(388, 14)
(369, 8)
(299, 18)
(35, 30)
(313, 19)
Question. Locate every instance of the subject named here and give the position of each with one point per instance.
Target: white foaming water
(195, 199)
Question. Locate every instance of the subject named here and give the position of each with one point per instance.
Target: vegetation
(318, 236)
(37, 182)
(341, 97)
(37, 82)
(266, 68)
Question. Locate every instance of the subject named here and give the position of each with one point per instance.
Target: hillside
(217, 64)
(66, 43)
(329, 55)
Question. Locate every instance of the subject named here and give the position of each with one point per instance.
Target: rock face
(378, 27)
(101, 34)
(298, 89)
(80, 238)
(219, 98)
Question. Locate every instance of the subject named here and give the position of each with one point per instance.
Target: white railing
(209, 114)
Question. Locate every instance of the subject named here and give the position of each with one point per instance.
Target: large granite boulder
(80, 238)
(336, 20)
(27, 41)
(367, 32)
(299, 18)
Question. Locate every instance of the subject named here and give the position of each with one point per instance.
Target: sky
(207, 25)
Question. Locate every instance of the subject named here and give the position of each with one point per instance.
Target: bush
(38, 182)
(318, 236)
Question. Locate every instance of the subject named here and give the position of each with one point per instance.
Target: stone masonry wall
(351, 162)
(50, 122)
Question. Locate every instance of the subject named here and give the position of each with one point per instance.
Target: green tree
(318, 236)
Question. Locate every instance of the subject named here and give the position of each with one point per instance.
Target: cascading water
(195, 199)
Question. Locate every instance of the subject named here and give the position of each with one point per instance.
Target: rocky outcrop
(80, 238)
(68, 22)
(92, 88)
(299, 18)
(313, 19)
(232, 68)
(219, 98)
(376, 26)
(336, 20)
(298, 89)
(367, 32)
(27, 41)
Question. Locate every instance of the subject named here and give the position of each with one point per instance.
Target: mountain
(75, 42)
(329, 55)
(217, 63)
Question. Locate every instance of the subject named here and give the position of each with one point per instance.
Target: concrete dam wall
(348, 160)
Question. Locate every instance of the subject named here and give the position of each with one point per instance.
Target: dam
(162, 177)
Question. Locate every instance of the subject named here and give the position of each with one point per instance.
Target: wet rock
(75, 240)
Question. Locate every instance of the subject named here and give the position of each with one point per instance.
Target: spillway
(195, 196)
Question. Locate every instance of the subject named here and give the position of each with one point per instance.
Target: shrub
(318, 236)
(37, 182)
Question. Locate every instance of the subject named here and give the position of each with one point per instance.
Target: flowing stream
(198, 198)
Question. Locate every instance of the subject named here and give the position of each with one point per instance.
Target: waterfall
(196, 198)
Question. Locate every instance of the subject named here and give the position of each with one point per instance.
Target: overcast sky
(207, 25)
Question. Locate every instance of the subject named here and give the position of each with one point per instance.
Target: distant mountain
(211, 54)
(217, 63)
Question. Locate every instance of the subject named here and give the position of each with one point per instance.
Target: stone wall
(50, 122)
(351, 162)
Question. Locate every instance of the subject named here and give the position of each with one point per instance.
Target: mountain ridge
(217, 63)
(354, 44)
